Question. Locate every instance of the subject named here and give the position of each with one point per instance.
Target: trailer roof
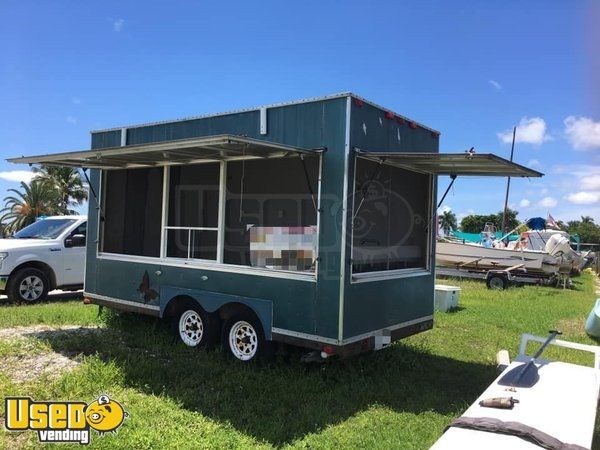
(272, 105)
(182, 151)
(454, 164)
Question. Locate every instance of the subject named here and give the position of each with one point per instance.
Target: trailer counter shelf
(306, 222)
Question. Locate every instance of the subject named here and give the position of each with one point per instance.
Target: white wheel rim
(31, 288)
(191, 328)
(243, 340)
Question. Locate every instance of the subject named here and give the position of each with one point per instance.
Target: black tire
(194, 327)
(497, 282)
(247, 331)
(24, 286)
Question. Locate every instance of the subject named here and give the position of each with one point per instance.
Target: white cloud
(582, 132)
(548, 202)
(72, 120)
(533, 162)
(118, 24)
(583, 197)
(17, 175)
(524, 203)
(76, 100)
(591, 182)
(445, 208)
(495, 84)
(544, 191)
(529, 131)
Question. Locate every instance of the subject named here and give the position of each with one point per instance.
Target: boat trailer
(501, 278)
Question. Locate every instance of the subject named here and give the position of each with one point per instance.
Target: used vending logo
(64, 421)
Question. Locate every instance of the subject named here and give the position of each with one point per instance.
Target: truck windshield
(44, 229)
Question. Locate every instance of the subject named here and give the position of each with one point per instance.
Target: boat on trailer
(535, 251)
(471, 255)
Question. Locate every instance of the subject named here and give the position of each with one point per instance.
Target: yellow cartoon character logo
(104, 415)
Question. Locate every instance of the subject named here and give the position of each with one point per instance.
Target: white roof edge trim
(257, 108)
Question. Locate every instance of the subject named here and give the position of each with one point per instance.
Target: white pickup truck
(46, 255)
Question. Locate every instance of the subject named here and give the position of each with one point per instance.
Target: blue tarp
(536, 223)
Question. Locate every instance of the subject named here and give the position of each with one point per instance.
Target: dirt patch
(29, 367)
(23, 332)
(571, 326)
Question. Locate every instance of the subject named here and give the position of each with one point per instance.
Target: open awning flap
(454, 164)
(182, 151)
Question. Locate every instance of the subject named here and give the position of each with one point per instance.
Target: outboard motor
(558, 245)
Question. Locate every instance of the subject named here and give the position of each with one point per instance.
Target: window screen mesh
(132, 211)
(390, 218)
(268, 193)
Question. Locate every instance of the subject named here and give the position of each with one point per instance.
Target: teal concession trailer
(310, 223)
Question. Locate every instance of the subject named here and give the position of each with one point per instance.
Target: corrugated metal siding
(106, 139)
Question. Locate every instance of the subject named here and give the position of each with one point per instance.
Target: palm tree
(25, 206)
(587, 219)
(67, 181)
(448, 220)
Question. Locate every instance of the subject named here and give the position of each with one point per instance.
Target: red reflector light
(400, 120)
(328, 349)
(358, 102)
(413, 125)
(389, 115)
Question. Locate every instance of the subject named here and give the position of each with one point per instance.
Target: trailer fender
(212, 301)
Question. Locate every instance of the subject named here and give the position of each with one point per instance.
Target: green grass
(401, 397)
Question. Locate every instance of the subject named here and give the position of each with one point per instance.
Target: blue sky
(469, 69)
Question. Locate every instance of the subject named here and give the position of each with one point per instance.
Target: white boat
(554, 242)
(539, 251)
(457, 254)
(556, 407)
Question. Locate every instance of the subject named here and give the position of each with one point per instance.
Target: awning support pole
(84, 170)
(433, 216)
(310, 189)
(453, 177)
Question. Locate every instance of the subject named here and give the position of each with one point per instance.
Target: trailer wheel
(195, 327)
(243, 338)
(496, 281)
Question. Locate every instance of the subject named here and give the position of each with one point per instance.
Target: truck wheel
(195, 327)
(497, 282)
(243, 337)
(28, 285)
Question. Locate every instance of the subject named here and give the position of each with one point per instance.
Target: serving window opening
(131, 216)
(390, 218)
(255, 212)
(192, 212)
(270, 213)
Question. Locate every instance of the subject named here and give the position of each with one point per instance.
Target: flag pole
(504, 214)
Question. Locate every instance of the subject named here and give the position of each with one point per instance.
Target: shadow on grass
(53, 297)
(283, 400)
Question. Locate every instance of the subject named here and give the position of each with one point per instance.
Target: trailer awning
(183, 151)
(453, 164)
